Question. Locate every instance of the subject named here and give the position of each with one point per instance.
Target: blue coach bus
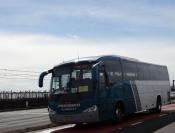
(102, 88)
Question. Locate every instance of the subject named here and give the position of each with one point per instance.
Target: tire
(119, 113)
(158, 105)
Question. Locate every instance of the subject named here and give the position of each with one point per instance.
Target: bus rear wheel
(158, 108)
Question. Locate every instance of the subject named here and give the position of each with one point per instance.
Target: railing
(22, 100)
(172, 95)
(23, 95)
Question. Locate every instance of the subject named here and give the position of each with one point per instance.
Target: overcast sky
(35, 35)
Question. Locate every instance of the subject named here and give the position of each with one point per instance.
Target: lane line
(55, 128)
(137, 123)
(162, 115)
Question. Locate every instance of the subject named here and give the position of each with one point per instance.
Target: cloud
(89, 18)
(131, 12)
(41, 52)
(36, 35)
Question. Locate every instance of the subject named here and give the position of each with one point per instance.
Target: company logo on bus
(68, 107)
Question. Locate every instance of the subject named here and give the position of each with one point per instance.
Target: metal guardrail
(23, 95)
(22, 100)
(172, 94)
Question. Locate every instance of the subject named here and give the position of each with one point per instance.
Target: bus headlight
(91, 109)
(52, 112)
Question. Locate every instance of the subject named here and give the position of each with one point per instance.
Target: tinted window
(114, 72)
(152, 72)
(143, 71)
(102, 80)
(129, 69)
(164, 72)
(158, 72)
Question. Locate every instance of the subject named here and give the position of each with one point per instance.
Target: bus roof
(95, 58)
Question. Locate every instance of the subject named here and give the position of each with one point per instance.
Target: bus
(101, 88)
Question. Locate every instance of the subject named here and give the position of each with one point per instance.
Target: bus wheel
(158, 105)
(119, 113)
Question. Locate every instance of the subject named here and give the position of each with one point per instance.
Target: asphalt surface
(136, 123)
(150, 126)
(35, 119)
(144, 122)
(19, 121)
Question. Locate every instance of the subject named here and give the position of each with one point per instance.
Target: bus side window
(114, 72)
(130, 70)
(102, 80)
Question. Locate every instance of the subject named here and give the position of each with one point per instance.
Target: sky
(36, 35)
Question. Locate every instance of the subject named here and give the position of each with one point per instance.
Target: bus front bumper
(84, 117)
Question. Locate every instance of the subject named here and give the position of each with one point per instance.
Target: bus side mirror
(41, 77)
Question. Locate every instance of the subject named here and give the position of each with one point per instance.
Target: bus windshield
(77, 79)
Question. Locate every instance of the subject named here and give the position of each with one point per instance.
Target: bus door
(103, 93)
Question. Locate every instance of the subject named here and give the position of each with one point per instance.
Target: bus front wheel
(119, 112)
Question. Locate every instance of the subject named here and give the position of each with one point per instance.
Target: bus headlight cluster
(52, 112)
(91, 109)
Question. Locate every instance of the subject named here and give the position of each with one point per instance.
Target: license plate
(68, 118)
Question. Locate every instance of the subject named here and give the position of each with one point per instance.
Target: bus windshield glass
(76, 79)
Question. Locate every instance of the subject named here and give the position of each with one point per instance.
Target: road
(151, 125)
(25, 119)
(137, 123)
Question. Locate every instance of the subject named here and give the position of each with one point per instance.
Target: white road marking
(136, 123)
(162, 115)
(55, 128)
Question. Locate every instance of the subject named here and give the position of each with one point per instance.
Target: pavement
(169, 108)
(167, 129)
(171, 127)
(142, 122)
(36, 119)
(20, 121)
